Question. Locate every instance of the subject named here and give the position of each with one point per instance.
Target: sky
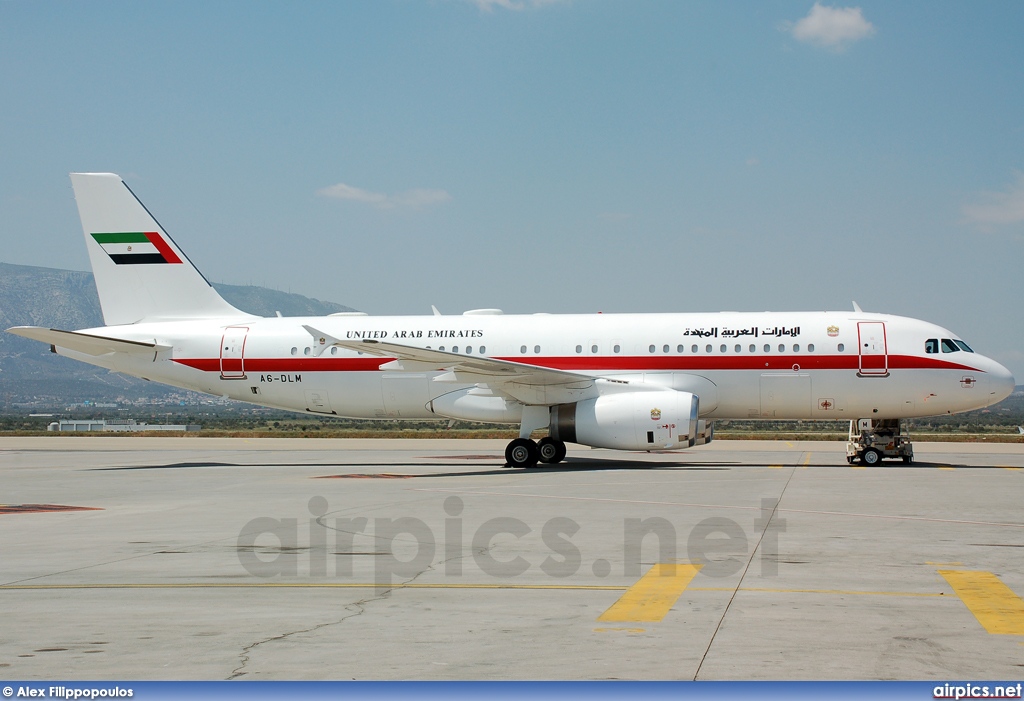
(541, 155)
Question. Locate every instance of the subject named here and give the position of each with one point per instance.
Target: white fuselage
(800, 365)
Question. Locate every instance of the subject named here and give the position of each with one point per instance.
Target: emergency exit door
(232, 353)
(874, 354)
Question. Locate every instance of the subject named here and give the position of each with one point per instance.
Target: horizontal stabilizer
(85, 342)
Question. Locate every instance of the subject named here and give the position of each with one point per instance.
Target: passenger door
(872, 348)
(232, 353)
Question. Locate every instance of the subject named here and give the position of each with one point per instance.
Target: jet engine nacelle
(629, 421)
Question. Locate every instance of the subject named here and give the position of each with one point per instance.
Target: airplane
(637, 382)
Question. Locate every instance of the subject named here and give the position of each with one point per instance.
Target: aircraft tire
(551, 451)
(871, 457)
(522, 452)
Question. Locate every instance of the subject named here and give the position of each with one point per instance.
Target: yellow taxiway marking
(807, 460)
(994, 604)
(1008, 467)
(833, 592)
(653, 595)
(775, 466)
(423, 585)
(946, 467)
(308, 585)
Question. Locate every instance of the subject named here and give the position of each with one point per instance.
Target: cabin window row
(931, 346)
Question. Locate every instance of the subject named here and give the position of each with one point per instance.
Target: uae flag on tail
(140, 248)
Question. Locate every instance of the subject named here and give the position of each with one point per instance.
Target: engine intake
(662, 420)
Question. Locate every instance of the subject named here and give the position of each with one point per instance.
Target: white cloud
(832, 27)
(994, 208)
(419, 197)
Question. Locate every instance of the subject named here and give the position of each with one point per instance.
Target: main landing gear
(523, 452)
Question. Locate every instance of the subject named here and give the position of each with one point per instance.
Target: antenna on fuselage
(436, 312)
(856, 308)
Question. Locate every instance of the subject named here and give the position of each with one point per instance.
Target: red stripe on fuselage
(157, 240)
(602, 364)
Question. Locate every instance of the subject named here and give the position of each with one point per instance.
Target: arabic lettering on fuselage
(715, 332)
(781, 331)
(702, 332)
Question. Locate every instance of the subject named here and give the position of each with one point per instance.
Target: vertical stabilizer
(141, 274)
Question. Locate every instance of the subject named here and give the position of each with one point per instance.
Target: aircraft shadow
(569, 465)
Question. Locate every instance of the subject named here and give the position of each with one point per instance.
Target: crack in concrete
(245, 655)
(743, 575)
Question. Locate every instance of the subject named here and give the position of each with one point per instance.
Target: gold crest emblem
(655, 414)
(833, 330)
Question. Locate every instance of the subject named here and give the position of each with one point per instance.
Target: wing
(85, 342)
(464, 369)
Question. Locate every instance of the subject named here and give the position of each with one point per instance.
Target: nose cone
(1000, 381)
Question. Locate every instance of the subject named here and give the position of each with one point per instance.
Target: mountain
(67, 299)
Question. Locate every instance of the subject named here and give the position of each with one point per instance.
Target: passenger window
(593, 349)
(722, 348)
(767, 348)
(810, 347)
(306, 350)
(455, 349)
(334, 350)
(782, 347)
(693, 348)
(963, 346)
(931, 345)
(739, 348)
(664, 349)
(948, 346)
(708, 349)
(483, 349)
(796, 347)
(295, 351)
(651, 349)
(617, 348)
(680, 348)
(753, 348)
(536, 349)
(522, 349)
(579, 349)
(840, 347)
(440, 348)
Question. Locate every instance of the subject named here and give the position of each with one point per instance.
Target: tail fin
(141, 274)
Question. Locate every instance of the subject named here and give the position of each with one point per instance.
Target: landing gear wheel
(522, 452)
(551, 451)
(871, 457)
(908, 459)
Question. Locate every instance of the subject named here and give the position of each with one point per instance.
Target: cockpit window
(948, 346)
(963, 346)
(931, 345)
